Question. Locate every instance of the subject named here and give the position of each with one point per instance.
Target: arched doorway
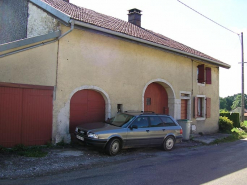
(156, 99)
(86, 106)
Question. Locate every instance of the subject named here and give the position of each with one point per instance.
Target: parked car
(131, 130)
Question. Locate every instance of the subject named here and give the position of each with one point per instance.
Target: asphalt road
(222, 164)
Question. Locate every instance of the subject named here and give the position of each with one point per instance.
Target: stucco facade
(35, 66)
(121, 70)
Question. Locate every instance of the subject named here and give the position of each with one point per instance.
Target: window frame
(204, 74)
(205, 107)
(200, 100)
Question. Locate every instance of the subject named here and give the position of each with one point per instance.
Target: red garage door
(25, 116)
(156, 99)
(86, 106)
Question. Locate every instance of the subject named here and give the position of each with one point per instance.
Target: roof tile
(118, 25)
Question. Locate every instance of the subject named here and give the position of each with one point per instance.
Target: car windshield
(120, 119)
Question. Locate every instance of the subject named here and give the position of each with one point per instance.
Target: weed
(49, 144)
(34, 151)
(22, 150)
(61, 143)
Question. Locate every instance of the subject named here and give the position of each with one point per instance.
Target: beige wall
(121, 70)
(35, 66)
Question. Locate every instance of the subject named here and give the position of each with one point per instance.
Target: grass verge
(32, 151)
(236, 134)
(245, 123)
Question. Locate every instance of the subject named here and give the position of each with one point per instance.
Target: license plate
(79, 137)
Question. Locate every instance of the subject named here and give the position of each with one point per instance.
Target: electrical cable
(208, 18)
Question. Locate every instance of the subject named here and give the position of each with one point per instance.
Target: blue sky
(174, 20)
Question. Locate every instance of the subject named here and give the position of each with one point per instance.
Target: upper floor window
(204, 74)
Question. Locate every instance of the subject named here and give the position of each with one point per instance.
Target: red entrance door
(156, 99)
(86, 106)
(184, 109)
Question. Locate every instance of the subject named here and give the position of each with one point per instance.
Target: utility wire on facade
(242, 44)
(208, 18)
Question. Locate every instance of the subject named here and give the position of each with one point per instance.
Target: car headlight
(92, 135)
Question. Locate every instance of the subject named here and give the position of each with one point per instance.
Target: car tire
(113, 147)
(168, 143)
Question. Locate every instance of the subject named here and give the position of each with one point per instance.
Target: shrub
(243, 126)
(225, 124)
(232, 116)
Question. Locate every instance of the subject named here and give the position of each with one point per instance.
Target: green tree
(223, 103)
(230, 102)
(237, 102)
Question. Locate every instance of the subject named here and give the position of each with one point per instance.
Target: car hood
(96, 127)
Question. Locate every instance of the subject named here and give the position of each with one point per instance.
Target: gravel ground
(63, 159)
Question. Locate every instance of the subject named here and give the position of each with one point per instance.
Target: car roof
(137, 113)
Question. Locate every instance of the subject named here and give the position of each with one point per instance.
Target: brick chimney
(135, 16)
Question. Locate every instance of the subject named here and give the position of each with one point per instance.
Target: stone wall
(13, 20)
(40, 22)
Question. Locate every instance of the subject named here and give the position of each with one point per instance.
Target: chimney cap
(134, 10)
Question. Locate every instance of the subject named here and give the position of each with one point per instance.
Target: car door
(157, 131)
(138, 136)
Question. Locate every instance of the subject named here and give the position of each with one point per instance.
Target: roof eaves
(28, 41)
(64, 17)
(87, 25)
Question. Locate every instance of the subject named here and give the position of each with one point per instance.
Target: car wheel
(113, 147)
(168, 143)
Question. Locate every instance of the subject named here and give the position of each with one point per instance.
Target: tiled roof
(117, 25)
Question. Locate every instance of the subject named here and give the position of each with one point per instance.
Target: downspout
(71, 28)
(55, 87)
(72, 22)
(192, 78)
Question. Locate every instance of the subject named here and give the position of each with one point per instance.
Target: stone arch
(170, 91)
(99, 90)
(62, 130)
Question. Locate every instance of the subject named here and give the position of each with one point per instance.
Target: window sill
(200, 118)
(201, 84)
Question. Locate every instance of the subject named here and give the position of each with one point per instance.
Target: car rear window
(168, 121)
(156, 121)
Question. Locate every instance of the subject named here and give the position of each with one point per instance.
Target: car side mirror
(133, 127)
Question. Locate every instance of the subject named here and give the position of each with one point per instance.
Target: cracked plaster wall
(40, 22)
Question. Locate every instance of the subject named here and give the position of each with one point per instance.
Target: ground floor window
(202, 107)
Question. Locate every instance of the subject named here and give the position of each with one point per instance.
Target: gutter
(72, 22)
(54, 35)
(149, 43)
(28, 41)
